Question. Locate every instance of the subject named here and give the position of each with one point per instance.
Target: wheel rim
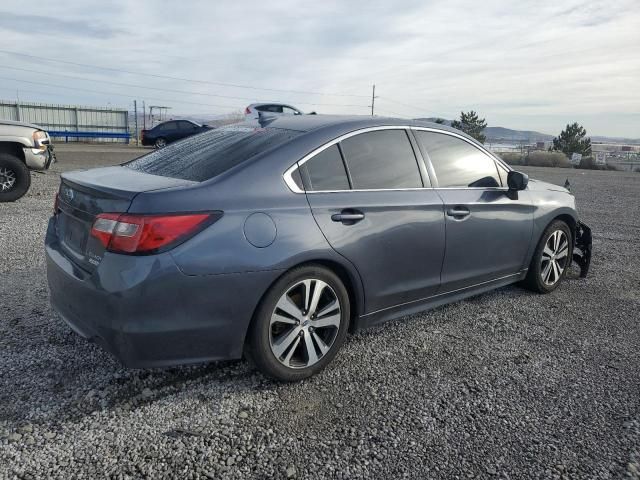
(554, 257)
(305, 323)
(7, 179)
(161, 143)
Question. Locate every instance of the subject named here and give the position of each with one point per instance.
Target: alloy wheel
(161, 143)
(7, 179)
(554, 258)
(305, 323)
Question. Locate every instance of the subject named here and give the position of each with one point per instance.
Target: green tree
(440, 120)
(573, 139)
(472, 125)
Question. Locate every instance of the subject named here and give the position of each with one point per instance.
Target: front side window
(458, 163)
(382, 159)
(326, 171)
(270, 108)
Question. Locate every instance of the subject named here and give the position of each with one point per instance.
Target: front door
(378, 215)
(488, 233)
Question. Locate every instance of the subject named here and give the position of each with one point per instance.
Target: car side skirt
(398, 311)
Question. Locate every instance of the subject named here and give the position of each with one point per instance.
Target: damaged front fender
(582, 248)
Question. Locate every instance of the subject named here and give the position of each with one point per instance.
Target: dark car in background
(275, 242)
(168, 132)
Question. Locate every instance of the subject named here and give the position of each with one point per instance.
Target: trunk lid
(85, 194)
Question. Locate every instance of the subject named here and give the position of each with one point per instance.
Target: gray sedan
(274, 242)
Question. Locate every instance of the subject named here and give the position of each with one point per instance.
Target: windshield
(211, 153)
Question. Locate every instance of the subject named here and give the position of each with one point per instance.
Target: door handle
(458, 213)
(348, 217)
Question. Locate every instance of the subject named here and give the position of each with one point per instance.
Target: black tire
(260, 335)
(160, 143)
(15, 178)
(535, 280)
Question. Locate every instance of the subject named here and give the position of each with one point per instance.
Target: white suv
(23, 147)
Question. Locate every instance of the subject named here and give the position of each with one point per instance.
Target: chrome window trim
(288, 174)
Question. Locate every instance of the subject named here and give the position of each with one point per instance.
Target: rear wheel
(15, 178)
(160, 143)
(300, 325)
(551, 259)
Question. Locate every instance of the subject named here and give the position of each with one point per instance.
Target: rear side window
(204, 156)
(186, 125)
(458, 163)
(382, 159)
(326, 171)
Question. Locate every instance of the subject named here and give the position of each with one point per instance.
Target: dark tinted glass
(382, 159)
(186, 125)
(326, 171)
(165, 127)
(270, 108)
(458, 163)
(201, 157)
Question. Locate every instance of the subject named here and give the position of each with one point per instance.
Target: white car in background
(255, 111)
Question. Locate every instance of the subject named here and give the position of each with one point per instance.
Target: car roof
(253, 105)
(348, 123)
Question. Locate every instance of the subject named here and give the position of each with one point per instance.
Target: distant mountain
(497, 134)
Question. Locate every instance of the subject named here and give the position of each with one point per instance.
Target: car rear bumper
(147, 313)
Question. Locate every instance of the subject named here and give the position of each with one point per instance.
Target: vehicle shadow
(69, 378)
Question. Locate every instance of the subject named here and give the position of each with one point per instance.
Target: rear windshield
(211, 153)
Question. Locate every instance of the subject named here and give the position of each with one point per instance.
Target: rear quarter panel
(223, 248)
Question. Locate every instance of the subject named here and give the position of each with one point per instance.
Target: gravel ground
(505, 385)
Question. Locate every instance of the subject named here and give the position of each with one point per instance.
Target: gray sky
(529, 64)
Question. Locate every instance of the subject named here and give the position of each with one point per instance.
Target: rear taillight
(145, 234)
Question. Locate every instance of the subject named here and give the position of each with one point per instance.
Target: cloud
(522, 64)
(42, 25)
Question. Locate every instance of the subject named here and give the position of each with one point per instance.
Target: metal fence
(70, 118)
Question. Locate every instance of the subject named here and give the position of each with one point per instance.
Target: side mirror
(517, 180)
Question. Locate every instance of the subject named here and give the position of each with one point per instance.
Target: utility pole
(144, 116)
(373, 99)
(135, 116)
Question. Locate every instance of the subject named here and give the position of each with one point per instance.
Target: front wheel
(551, 259)
(300, 324)
(15, 178)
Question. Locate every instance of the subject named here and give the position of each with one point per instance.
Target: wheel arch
(13, 148)
(349, 278)
(569, 220)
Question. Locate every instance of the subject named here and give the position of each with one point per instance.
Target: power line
(234, 85)
(250, 99)
(116, 94)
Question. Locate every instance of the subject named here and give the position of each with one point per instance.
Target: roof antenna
(567, 185)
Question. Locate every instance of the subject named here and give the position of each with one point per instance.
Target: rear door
(374, 205)
(488, 233)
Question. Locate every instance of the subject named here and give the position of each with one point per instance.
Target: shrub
(512, 158)
(548, 159)
(589, 163)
